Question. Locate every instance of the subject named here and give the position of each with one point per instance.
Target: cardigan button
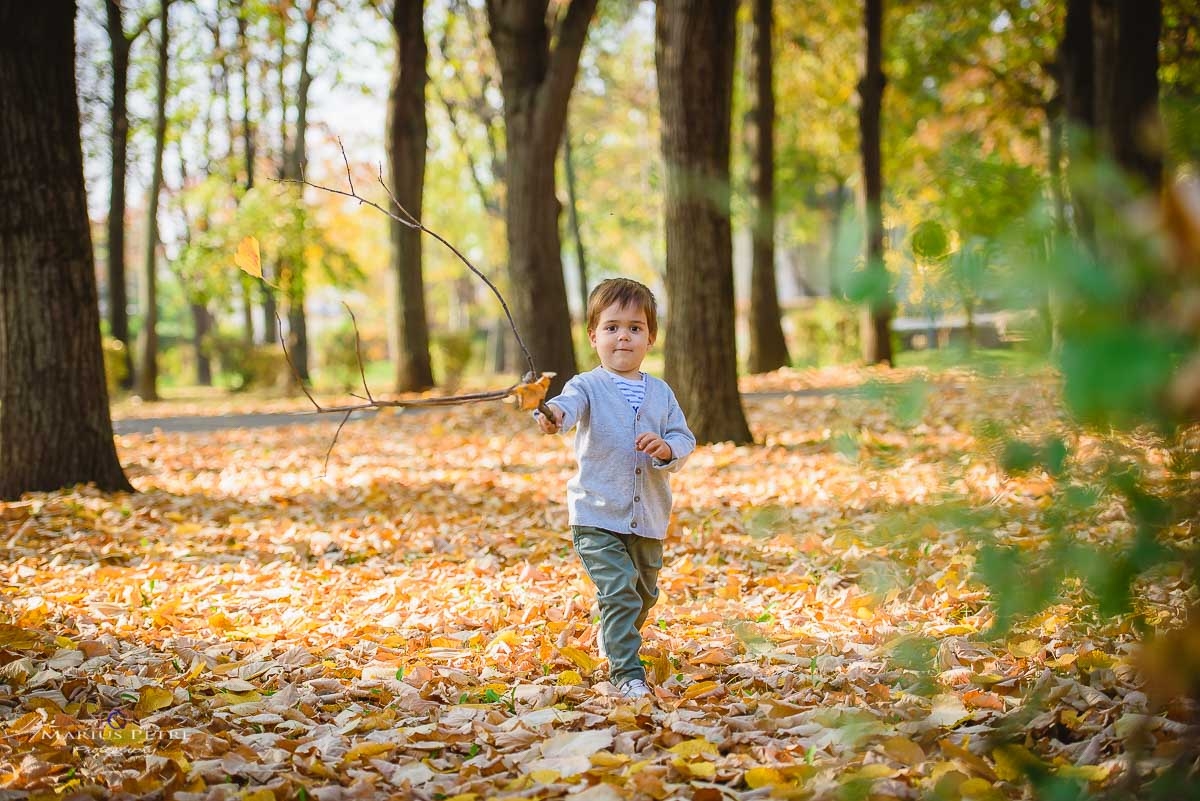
(633, 524)
(637, 498)
(638, 471)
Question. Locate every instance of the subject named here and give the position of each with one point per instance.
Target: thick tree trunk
(768, 348)
(147, 373)
(877, 319)
(407, 136)
(55, 429)
(1135, 130)
(118, 298)
(536, 83)
(694, 60)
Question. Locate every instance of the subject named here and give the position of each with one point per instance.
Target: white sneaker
(635, 688)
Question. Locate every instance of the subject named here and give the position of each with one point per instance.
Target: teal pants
(624, 568)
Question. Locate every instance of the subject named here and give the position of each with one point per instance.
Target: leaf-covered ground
(414, 623)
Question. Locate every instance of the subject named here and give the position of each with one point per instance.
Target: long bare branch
(412, 222)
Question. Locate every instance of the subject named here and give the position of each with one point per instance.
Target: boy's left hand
(653, 445)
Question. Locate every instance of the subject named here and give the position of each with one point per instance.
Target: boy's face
(621, 338)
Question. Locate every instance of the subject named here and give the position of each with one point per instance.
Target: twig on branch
(529, 392)
(410, 221)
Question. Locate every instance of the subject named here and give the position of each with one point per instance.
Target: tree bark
(55, 429)
(407, 135)
(1135, 130)
(1076, 77)
(694, 45)
(293, 168)
(768, 348)
(201, 325)
(118, 298)
(249, 285)
(147, 374)
(877, 319)
(536, 84)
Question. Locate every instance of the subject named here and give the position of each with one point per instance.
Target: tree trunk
(1076, 77)
(573, 222)
(293, 169)
(407, 137)
(1056, 136)
(55, 429)
(768, 348)
(694, 44)
(536, 84)
(201, 325)
(1135, 130)
(147, 374)
(118, 299)
(877, 319)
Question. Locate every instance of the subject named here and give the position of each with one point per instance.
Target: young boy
(631, 434)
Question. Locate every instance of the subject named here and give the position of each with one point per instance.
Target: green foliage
(823, 333)
(454, 350)
(245, 366)
(116, 369)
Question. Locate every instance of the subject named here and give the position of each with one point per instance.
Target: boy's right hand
(549, 426)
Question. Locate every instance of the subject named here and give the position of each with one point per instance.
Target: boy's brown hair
(623, 292)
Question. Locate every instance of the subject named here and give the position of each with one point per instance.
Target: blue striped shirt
(634, 391)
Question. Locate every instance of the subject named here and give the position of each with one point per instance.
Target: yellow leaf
(153, 699)
(1025, 648)
(544, 776)
(1090, 773)
(1066, 660)
(762, 777)
(17, 638)
(904, 750)
(569, 678)
(1013, 762)
(699, 688)
(694, 748)
(585, 662)
(131, 735)
(979, 790)
(875, 770)
(607, 759)
(701, 769)
(257, 795)
(366, 750)
(247, 257)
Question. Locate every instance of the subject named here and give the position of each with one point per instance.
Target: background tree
(694, 57)
(120, 43)
(147, 372)
(768, 348)
(876, 329)
(536, 81)
(406, 138)
(292, 273)
(55, 428)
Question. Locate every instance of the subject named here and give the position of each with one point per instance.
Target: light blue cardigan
(618, 487)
